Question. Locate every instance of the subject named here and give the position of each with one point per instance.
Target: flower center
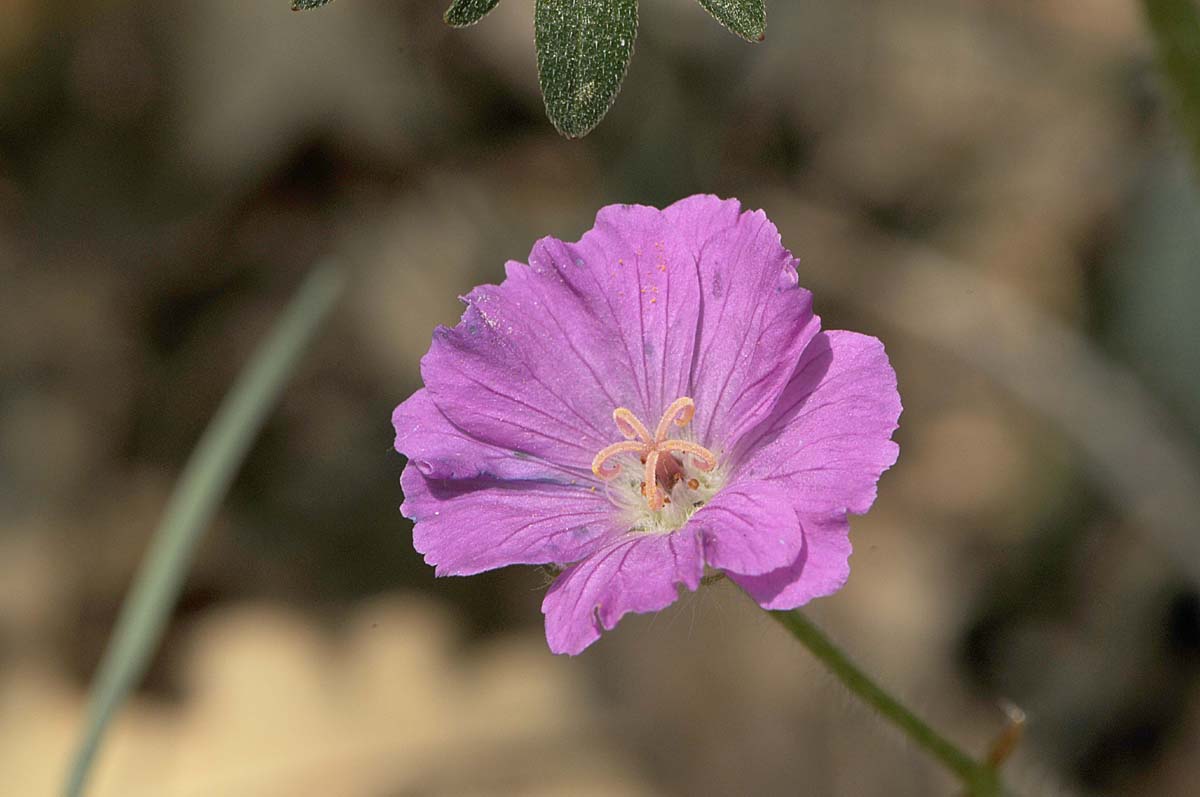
(663, 469)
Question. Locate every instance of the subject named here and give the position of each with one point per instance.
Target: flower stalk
(980, 780)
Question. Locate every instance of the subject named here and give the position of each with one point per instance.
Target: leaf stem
(979, 779)
(191, 507)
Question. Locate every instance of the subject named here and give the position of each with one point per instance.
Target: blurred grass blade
(304, 5)
(746, 18)
(583, 50)
(467, 12)
(192, 505)
(1176, 28)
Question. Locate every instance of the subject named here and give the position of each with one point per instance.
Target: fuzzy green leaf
(304, 5)
(746, 18)
(583, 49)
(467, 12)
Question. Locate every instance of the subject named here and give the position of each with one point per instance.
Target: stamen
(705, 459)
(660, 466)
(607, 470)
(654, 495)
(681, 411)
(630, 426)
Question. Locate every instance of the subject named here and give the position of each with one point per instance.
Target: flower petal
(539, 363)
(635, 274)
(830, 435)
(749, 527)
(466, 526)
(821, 568)
(440, 450)
(756, 319)
(638, 573)
(503, 380)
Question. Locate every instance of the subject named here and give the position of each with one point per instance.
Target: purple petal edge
(821, 569)
(635, 574)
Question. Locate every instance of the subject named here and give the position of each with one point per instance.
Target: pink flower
(653, 399)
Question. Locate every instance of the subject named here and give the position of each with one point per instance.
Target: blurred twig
(1176, 28)
(192, 505)
(1008, 739)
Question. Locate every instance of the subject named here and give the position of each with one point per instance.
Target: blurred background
(993, 187)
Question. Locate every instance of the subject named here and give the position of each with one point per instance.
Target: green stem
(1176, 28)
(192, 505)
(980, 780)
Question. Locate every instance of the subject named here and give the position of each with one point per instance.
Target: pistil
(657, 452)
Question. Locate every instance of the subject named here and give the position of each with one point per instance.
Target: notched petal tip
(636, 574)
(464, 526)
(821, 568)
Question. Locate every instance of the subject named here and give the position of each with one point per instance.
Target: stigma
(665, 460)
